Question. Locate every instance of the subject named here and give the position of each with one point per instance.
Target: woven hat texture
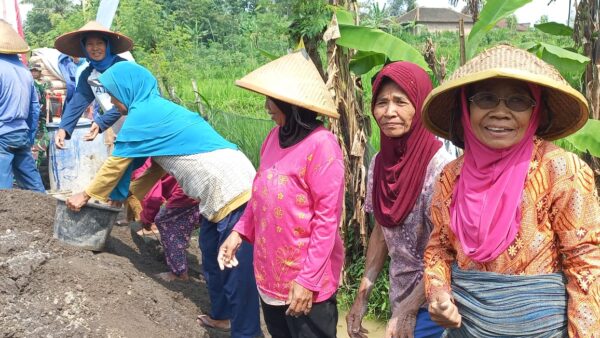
(566, 108)
(10, 41)
(70, 43)
(294, 79)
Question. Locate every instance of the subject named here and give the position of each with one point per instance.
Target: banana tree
(373, 46)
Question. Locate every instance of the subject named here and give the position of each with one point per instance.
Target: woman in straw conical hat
(208, 168)
(399, 189)
(100, 47)
(19, 113)
(515, 247)
(294, 214)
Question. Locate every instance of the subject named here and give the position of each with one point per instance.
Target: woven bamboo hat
(10, 41)
(565, 107)
(70, 43)
(294, 79)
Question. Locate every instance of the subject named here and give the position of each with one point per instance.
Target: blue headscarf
(155, 126)
(102, 65)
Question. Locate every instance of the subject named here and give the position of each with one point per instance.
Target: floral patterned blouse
(560, 231)
(294, 214)
(406, 242)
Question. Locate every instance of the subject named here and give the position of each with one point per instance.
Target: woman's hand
(226, 257)
(115, 204)
(77, 201)
(355, 316)
(92, 133)
(403, 322)
(443, 311)
(59, 138)
(299, 300)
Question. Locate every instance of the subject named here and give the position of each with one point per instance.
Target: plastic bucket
(88, 228)
(73, 168)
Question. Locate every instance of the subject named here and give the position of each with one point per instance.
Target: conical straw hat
(70, 43)
(10, 41)
(294, 79)
(566, 108)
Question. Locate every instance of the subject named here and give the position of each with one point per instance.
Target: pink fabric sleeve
(325, 180)
(151, 203)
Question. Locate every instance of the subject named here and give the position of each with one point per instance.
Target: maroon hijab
(402, 162)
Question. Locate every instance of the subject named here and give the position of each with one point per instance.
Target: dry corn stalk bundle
(351, 130)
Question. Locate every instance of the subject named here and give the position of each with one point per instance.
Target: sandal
(207, 322)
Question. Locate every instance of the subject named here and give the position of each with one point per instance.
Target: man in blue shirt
(19, 114)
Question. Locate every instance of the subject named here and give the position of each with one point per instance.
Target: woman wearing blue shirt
(100, 46)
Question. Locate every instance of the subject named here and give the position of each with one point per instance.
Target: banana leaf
(492, 12)
(554, 28)
(373, 40)
(587, 139)
(363, 62)
(565, 61)
(344, 17)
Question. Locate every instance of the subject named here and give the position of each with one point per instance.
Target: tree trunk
(352, 132)
(587, 24)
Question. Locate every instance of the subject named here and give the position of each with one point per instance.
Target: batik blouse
(559, 232)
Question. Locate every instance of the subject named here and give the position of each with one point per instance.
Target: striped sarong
(498, 305)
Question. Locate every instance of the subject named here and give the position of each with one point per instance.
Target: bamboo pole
(461, 39)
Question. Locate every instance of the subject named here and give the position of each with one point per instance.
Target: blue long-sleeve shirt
(81, 99)
(19, 105)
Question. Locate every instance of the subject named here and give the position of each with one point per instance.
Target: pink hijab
(485, 211)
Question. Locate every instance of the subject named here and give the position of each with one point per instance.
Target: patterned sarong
(499, 305)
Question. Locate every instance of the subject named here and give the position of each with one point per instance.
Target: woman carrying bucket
(100, 47)
(209, 169)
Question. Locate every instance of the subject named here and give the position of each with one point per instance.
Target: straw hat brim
(70, 43)
(10, 41)
(292, 78)
(270, 93)
(566, 107)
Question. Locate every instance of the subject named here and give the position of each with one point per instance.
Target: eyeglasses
(518, 103)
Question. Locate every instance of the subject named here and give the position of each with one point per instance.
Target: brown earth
(49, 289)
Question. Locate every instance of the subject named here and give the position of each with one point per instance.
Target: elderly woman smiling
(515, 247)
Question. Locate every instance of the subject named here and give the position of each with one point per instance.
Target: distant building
(435, 19)
(521, 27)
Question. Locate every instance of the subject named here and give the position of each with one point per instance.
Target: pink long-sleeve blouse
(294, 214)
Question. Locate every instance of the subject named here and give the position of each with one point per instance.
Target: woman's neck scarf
(401, 165)
(299, 123)
(485, 212)
(102, 65)
(155, 126)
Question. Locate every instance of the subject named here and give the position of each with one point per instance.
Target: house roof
(428, 14)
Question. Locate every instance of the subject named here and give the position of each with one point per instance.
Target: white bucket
(74, 167)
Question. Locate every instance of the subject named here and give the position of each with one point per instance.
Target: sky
(557, 11)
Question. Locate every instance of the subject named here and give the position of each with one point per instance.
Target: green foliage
(492, 12)
(376, 43)
(554, 28)
(586, 139)
(310, 19)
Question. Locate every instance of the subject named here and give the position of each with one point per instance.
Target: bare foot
(169, 276)
(206, 321)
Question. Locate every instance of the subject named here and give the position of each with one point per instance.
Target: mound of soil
(50, 289)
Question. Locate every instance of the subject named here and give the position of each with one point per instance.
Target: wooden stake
(198, 98)
(461, 39)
